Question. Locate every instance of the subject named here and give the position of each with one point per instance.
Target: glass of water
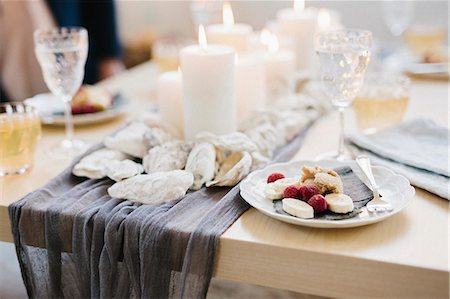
(343, 59)
(62, 54)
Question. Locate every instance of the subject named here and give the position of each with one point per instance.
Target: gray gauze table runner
(418, 149)
(73, 240)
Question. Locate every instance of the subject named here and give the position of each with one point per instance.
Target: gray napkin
(417, 149)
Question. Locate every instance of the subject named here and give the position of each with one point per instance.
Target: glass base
(18, 171)
(68, 149)
(333, 156)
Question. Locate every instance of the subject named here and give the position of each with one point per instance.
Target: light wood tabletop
(406, 255)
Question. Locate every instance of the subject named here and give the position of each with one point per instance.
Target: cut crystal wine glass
(62, 54)
(343, 59)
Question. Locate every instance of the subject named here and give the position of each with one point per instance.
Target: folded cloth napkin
(417, 149)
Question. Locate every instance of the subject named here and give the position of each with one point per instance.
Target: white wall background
(174, 17)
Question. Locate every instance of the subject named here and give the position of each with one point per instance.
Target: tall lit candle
(300, 25)
(229, 33)
(170, 99)
(250, 84)
(208, 88)
(280, 68)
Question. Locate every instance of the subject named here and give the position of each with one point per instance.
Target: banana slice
(339, 203)
(298, 208)
(275, 190)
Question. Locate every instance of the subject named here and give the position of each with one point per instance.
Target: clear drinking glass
(398, 15)
(62, 54)
(343, 59)
(382, 101)
(20, 130)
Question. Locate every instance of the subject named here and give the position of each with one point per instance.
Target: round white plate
(50, 109)
(394, 188)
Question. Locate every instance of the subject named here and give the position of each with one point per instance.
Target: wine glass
(398, 15)
(62, 54)
(343, 59)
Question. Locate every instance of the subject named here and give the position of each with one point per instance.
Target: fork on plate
(376, 204)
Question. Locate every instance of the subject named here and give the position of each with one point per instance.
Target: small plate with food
(91, 104)
(326, 194)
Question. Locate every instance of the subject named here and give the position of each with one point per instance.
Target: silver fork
(376, 204)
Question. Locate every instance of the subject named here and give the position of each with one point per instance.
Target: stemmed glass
(398, 15)
(343, 59)
(62, 54)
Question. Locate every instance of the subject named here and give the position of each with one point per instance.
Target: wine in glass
(62, 54)
(343, 59)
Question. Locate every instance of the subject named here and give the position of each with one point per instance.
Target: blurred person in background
(20, 74)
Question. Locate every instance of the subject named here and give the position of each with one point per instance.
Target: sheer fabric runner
(73, 240)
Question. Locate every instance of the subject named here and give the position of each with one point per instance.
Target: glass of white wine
(343, 58)
(20, 130)
(62, 54)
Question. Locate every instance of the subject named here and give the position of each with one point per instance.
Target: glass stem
(69, 119)
(342, 134)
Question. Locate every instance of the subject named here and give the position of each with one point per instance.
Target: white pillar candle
(328, 20)
(170, 99)
(250, 84)
(228, 33)
(208, 88)
(280, 70)
(300, 25)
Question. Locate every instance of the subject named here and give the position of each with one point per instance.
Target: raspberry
(291, 192)
(275, 177)
(307, 191)
(318, 203)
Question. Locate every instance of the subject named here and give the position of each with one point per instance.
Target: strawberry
(307, 191)
(291, 192)
(318, 203)
(274, 177)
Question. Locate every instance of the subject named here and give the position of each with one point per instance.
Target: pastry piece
(298, 208)
(119, 170)
(201, 163)
(339, 203)
(168, 156)
(233, 169)
(275, 190)
(93, 166)
(153, 188)
(233, 142)
(130, 140)
(91, 99)
(326, 180)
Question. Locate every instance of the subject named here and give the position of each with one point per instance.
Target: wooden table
(404, 256)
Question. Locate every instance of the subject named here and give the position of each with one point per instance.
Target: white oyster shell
(153, 120)
(233, 142)
(202, 164)
(168, 156)
(130, 140)
(157, 136)
(119, 170)
(233, 169)
(93, 166)
(153, 188)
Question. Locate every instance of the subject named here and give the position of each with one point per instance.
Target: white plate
(50, 109)
(394, 187)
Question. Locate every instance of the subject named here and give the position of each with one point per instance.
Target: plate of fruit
(91, 104)
(325, 194)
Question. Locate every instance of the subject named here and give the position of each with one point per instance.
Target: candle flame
(299, 5)
(264, 37)
(324, 18)
(202, 37)
(227, 14)
(273, 45)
